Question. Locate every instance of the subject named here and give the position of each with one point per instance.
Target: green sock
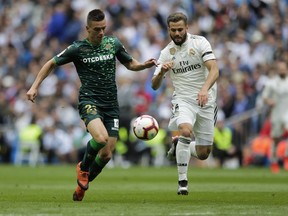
(91, 151)
(96, 168)
(95, 145)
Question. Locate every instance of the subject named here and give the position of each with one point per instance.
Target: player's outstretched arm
(134, 65)
(43, 73)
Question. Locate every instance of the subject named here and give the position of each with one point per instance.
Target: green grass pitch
(142, 191)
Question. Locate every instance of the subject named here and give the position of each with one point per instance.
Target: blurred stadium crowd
(246, 35)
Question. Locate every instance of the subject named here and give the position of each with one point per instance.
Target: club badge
(108, 46)
(172, 51)
(192, 52)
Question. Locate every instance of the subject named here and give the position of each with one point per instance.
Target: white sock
(183, 157)
(193, 149)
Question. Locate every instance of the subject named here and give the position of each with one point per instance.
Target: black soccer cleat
(182, 187)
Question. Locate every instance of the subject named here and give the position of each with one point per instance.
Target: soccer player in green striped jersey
(95, 62)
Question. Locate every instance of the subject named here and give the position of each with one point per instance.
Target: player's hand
(202, 98)
(151, 62)
(31, 94)
(166, 67)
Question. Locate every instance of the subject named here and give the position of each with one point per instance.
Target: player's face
(96, 31)
(178, 32)
(282, 69)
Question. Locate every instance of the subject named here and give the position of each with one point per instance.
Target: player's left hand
(202, 98)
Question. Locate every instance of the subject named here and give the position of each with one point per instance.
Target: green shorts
(109, 116)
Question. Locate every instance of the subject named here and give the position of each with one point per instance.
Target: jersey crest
(108, 46)
(192, 52)
(172, 51)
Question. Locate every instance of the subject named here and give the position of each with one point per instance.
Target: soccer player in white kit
(192, 67)
(275, 94)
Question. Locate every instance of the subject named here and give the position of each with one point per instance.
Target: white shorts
(202, 119)
(279, 124)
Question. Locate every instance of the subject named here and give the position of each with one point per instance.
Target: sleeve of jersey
(66, 55)
(266, 93)
(121, 52)
(162, 59)
(206, 50)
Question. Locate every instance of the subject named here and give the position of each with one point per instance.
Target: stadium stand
(247, 37)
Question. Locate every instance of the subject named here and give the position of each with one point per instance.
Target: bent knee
(203, 156)
(203, 152)
(101, 139)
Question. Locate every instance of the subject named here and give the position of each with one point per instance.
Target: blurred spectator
(259, 153)
(223, 148)
(58, 145)
(57, 22)
(30, 144)
(142, 100)
(248, 36)
(260, 150)
(282, 153)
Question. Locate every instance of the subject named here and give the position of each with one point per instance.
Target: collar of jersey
(92, 44)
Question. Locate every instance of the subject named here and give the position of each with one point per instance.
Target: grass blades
(140, 191)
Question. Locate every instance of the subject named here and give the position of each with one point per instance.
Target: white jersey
(189, 72)
(277, 89)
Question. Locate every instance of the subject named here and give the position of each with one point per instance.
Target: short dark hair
(176, 17)
(95, 15)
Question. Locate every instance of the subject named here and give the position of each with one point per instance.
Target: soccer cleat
(274, 167)
(171, 154)
(78, 194)
(183, 187)
(82, 177)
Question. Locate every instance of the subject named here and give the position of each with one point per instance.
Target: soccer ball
(145, 127)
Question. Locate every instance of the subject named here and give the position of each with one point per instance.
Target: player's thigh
(100, 122)
(111, 121)
(204, 126)
(108, 127)
(97, 130)
(183, 113)
(92, 117)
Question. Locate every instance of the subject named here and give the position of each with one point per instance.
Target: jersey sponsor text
(98, 58)
(186, 69)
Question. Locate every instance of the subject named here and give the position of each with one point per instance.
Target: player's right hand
(31, 94)
(166, 67)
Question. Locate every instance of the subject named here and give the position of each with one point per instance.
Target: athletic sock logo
(181, 164)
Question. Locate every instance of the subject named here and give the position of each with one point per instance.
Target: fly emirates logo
(185, 67)
(97, 58)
